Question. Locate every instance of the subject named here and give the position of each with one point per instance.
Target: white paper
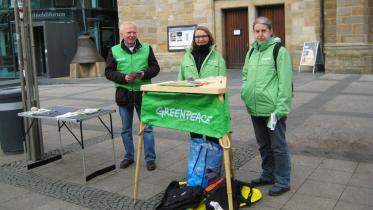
(68, 114)
(216, 205)
(271, 124)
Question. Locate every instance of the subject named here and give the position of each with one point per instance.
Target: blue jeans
(273, 150)
(126, 115)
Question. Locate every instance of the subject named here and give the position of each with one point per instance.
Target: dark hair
(263, 20)
(207, 31)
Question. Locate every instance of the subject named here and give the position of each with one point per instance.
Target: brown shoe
(150, 165)
(125, 163)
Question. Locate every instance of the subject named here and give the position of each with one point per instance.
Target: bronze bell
(86, 51)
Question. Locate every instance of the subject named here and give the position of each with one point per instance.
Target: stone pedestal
(87, 70)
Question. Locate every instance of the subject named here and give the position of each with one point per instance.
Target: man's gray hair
(121, 27)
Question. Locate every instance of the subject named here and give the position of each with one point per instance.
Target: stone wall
(351, 52)
(348, 27)
(154, 16)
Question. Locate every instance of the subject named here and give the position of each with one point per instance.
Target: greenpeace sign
(198, 113)
(183, 115)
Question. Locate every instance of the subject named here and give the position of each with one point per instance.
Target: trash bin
(11, 126)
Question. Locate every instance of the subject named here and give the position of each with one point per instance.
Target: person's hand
(140, 75)
(130, 78)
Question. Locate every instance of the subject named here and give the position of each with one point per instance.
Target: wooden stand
(216, 87)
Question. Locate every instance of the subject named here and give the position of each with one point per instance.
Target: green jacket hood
(189, 49)
(213, 65)
(264, 45)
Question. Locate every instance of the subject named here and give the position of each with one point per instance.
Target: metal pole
(83, 15)
(30, 95)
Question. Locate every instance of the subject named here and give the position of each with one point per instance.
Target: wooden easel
(216, 87)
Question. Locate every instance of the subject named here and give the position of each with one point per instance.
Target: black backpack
(276, 49)
(180, 197)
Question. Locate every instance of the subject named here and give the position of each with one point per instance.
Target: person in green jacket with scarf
(202, 61)
(267, 93)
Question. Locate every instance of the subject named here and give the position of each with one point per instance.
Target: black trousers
(208, 138)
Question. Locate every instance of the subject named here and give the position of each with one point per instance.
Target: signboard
(180, 37)
(311, 55)
(204, 114)
(236, 32)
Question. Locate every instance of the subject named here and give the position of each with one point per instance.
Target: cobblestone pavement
(331, 120)
(15, 174)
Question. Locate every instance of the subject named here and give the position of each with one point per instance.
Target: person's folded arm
(153, 66)
(111, 72)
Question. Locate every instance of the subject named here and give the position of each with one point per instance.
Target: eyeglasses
(201, 37)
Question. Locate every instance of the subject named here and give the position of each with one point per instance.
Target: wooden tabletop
(213, 86)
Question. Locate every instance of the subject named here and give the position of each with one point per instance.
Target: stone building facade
(347, 34)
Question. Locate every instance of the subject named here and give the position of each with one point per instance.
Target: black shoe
(150, 165)
(125, 163)
(260, 182)
(275, 190)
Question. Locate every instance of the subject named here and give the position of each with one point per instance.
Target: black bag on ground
(180, 197)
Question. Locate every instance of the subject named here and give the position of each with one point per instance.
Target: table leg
(60, 138)
(83, 152)
(25, 153)
(226, 144)
(138, 158)
(24, 136)
(112, 140)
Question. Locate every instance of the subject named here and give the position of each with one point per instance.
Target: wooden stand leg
(138, 158)
(226, 144)
(231, 159)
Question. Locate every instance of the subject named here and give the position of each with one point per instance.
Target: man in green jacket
(129, 65)
(267, 92)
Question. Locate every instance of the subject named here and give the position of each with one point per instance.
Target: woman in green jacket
(267, 92)
(202, 61)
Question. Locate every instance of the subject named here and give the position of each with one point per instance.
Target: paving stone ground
(330, 137)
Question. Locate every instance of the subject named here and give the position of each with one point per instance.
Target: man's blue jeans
(273, 149)
(126, 115)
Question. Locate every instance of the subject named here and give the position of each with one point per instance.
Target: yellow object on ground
(255, 197)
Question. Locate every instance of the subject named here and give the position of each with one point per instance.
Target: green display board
(198, 113)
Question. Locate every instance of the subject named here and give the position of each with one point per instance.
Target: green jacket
(264, 89)
(213, 65)
(131, 63)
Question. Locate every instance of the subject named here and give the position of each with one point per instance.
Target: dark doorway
(236, 37)
(277, 15)
(55, 45)
(39, 51)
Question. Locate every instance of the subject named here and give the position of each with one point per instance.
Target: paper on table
(68, 114)
(40, 112)
(79, 112)
(184, 83)
(272, 120)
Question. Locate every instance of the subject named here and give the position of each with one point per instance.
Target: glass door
(7, 60)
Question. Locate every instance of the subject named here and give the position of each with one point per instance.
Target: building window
(108, 4)
(91, 4)
(40, 4)
(7, 62)
(4, 4)
(64, 3)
